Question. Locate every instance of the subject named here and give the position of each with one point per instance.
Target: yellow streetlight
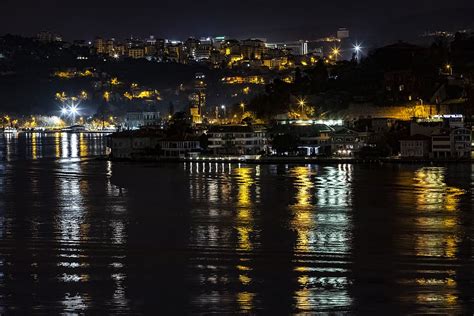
(336, 52)
(242, 105)
(302, 103)
(449, 68)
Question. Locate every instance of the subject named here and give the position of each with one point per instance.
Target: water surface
(83, 235)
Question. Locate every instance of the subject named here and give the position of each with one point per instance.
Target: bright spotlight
(73, 109)
(63, 111)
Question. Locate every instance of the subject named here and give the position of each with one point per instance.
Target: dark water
(86, 236)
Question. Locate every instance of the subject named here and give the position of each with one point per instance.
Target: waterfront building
(136, 120)
(345, 142)
(416, 146)
(179, 147)
(237, 139)
(454, 143)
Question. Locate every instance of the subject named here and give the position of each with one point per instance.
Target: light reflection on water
(51, 145)
(79, 235)
(321, 232)
(246, 181)
(434, 229)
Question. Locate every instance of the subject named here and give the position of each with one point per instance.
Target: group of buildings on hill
(214, 51)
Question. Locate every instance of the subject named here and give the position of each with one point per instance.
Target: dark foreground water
(89, 236)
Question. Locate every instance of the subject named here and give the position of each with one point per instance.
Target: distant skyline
(275, 20)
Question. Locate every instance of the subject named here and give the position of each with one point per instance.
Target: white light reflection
(71, 226)
(321, 219)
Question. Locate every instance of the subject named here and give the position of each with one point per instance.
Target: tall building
(100, 45)
(203, 50)
(198, 98)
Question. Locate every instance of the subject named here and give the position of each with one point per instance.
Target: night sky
(275, 19)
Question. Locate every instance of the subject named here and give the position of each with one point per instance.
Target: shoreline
(297, 160)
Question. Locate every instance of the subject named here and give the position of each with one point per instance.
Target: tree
(204, 141)
(285, 143)
(180, 125)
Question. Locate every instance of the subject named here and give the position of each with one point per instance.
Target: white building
(135, 120)
(179, 147)
(236, 140)
(416, 146)
(455, 143)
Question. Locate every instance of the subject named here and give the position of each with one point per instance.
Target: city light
(357, 50)
(336, 52)
(302, 104)
(449, 69)
(71, 111)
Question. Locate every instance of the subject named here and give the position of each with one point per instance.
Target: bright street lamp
(72, 111)
(302, 103)
(242, 105)
(449, 68)
(336, 52)
(224, 109)
(357, 50)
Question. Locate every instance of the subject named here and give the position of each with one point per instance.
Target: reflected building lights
(83, 149)
(321, 220)
(433, 195)
(304, 224)
(434, 233)
(245, 229)
(74, 145)
(57, 144)
(64, 145)
(34, 146)
(71, 227)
